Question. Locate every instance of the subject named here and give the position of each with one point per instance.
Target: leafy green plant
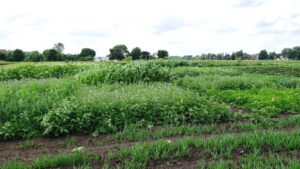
(112, 107)
(23, 103)
(39, 71)
(125, 73)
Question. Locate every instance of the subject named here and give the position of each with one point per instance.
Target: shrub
(112, 107)
(22, 104)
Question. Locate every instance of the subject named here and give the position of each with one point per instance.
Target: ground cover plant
(150, 114)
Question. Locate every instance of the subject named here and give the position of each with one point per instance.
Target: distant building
(99, 58)
(3, 50)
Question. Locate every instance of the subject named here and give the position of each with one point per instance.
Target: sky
(183, 27)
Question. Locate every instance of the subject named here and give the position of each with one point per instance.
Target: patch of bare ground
(52, 146)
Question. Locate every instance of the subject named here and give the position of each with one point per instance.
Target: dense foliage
(23, 103)
(125, 73)
(111, 108)
(108, 97)
(39, 71)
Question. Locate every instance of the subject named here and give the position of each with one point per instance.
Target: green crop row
(269, 102)
(219, 82)
(231, 150)
(23, 103)
(39, 71)
(217, 148)
(274, 70)
(110, 108)
(178, 72)
(133, 133)
(55, 107)
(125, 73)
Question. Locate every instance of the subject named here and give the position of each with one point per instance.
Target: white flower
(78, 149)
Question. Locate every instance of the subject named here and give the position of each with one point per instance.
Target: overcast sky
(179, 26)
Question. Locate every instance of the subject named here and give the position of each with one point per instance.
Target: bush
(125, 73)
(111, 108)
(22, 104)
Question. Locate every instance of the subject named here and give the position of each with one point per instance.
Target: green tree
(118, 52)
(296, 52)
(239, 54)
(145, 55)
(18, 55)
(2, 56)
(287, 53)
(263, 55)
(87, 52)
(273, 55)
(162, 54)
(59, 47)
(34, 56)
(51, 55)
(136, 53)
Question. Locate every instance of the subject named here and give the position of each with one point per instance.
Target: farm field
(150, 114)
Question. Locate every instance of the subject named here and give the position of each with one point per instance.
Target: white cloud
(181, 27)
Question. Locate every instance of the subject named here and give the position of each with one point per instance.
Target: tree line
(53, 54)
(287, 53)
(118, 52)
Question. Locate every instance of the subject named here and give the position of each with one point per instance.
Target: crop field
(150, 114)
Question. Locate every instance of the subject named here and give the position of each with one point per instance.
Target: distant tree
(239, 54)
(162, 54)
(2, 56)
(287, 53)
(71, 57)
(232, 56)
(227, 56)
(18, 55)
(220, 56)
(145, 55)
(296, 52)
(87, 52)
(118, 52)
(59, 47)
(34, 56)
(51, 55)
(136, 53)
(263, 55)
(273, 55)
